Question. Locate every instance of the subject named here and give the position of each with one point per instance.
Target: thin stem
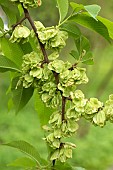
(73, 66)
(18, 23)
(27, 15)
(53, 162)
(64, 21)
(68, 98)
(56, 75)
(63, 107)
(72, 14)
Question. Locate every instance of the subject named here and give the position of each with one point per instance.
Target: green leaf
(26, 148)
(10, 104)
(83, 47)
(24, 162)
(61, 166)
(93, 10)
(63, 8)
(7, 65)
(26, 47)
(21, 95)
(88, 58)
(88, 62)
(12, 15)
(82, 44)
(108, 24)
(85, 20)
(33, 44)
(75, 54)
(4, 2)
(1, 34)
(72, 29)
(12, 51)
(43, 111)
(21, 11)
(76, 7)
(1, 24)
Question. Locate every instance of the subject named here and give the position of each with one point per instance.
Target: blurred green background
(94, 145)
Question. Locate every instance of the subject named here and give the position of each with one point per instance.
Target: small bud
(39, 2)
